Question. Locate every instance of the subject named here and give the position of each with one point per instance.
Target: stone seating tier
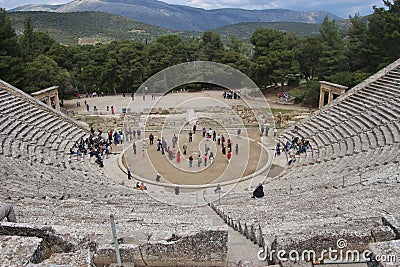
(300, 202)
(82, 200)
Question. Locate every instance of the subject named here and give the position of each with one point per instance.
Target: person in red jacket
(229, 156)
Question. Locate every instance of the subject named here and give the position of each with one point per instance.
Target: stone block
(204, 248)
(18, 250)
(393, 223)
(383, 233)
(76, 258)
(52, 240)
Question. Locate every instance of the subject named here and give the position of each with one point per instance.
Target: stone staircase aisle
(239, 248)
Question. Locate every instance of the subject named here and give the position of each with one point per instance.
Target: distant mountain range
(92, 27)
(178, 17)
(89, 27)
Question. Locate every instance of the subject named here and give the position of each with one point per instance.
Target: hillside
(179, 17)
(92, 27)
(243, 31)
(67, 28)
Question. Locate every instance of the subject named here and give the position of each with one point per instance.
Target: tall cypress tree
(333, 59)
(359, 59)
(9, 50)
(27, 41)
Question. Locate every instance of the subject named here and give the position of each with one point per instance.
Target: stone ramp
(239, 248)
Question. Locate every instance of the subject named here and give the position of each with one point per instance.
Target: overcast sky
(341, 8)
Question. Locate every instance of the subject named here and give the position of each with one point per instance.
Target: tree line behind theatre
(34, 61)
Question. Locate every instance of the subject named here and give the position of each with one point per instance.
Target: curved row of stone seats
(32, 130)
(48, 186)
(348, 170)
(37, 180)
(337, 132)
(137, 221)
(347, 181)
(365, 159)
(322, 204)
(70, 194)
(379, 137)
(83, 201)
(360, 120)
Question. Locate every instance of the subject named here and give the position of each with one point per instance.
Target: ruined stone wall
(205, 248)
(35, 243)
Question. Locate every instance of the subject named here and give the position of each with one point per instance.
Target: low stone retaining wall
(205, 248)
(36, 244)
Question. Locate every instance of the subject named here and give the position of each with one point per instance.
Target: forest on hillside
(33, 61)
(98, 27)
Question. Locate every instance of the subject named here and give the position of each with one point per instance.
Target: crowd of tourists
(94, 145)
(98, 145)
(294, 147)
(174, 153)
(230, 94)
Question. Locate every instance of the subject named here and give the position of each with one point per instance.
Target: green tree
(261, 69)
(235, 57)
(80, 58)
(159, 57)
(9, 51)
(44, 72)
(311, 96)
(383, 35)
(357, 45)
(27, 41)
(333, 58)
(165, 52)
(273, 56)
(109, 74)
(211, 47)
(131, 60)
(308, 54)
(33, 43)
(234, 44)
(90, 76)
(62, 55)
(192, 49)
